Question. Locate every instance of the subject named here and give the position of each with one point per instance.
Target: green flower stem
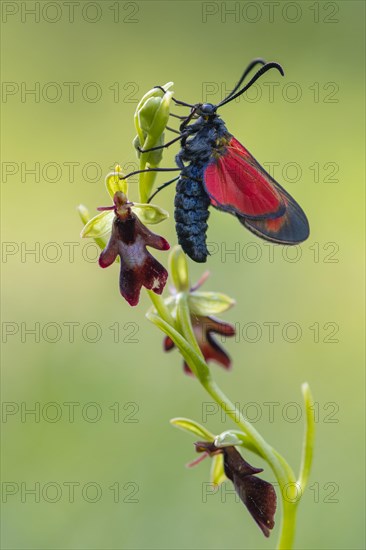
(289, 517)
(284, 474)
(197, 364)
(286, 479)
(185, 323)
(180, 330)
(146, 179)
(288, 525)
(161, 307)
(142, 192)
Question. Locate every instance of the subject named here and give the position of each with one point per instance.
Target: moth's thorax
(220, 146)
(209, 140)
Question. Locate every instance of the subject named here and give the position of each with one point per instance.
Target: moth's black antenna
(176, 101)
(149, 170)
(262, 70)
(161, 187)
(251, 66)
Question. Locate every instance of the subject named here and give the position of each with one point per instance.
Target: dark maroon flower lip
(129, 240)
(257, 495)
(204, 328)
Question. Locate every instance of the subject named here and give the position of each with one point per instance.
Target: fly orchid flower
(202, 308)
(123, 223)
(204, 327)
(257, 495)
(128, 240)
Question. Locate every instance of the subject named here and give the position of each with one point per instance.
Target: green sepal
(209, 303)
(85, 218)
(149, 213)
(98, 226)
(193, 427)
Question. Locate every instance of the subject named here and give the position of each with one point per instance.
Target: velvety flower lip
(204, 327)
(257, 495)
(128, 240)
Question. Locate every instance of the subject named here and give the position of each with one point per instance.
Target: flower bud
(151, 118)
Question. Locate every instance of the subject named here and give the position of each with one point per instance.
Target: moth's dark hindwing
(191, 213)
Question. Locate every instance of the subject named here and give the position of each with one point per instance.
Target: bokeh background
(89, 63)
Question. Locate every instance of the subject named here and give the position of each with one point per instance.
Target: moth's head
(206, 109)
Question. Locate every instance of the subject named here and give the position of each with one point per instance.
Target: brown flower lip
(204, 328)
(257, 495)
(129, 240)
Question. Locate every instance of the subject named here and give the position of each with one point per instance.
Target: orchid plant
(188, 318)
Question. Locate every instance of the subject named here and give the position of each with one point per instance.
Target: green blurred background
(124, 388)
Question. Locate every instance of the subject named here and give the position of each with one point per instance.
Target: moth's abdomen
(191, 214)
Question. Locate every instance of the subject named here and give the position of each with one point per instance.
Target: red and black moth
(216, 170)
(258, 495)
